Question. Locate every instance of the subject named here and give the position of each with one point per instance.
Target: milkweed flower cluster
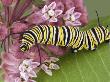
(71, 17)
(21, 66)
(49, 12)
(49, 64)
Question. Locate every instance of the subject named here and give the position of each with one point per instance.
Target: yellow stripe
(51, 35)
(91, 40)
(102, 39)
(98, 33)
(86, 41)
(28, 37)
(73, 33)
(94, 38)
(61, 36)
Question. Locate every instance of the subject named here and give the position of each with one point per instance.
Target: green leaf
(1, 79)
(84, 66)
(38, 2)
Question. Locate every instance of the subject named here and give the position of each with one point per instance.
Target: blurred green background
(102, 6)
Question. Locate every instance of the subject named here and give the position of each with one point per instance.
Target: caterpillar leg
(94, 48)
(74, 50)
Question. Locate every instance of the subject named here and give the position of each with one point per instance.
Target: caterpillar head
(24, 47)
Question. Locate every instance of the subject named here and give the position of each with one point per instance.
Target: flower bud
(6, 2)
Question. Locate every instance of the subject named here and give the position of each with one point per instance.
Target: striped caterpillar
(64, 36)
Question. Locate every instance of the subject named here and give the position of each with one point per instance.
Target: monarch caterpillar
(64, 36)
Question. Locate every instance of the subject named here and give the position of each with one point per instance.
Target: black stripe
(89, 42)
(56, 35)
(77, 34)
(35, 30)
(93, 30)
(48, 34)
(100, 34)
(53, 35)
(103, 29)
(26, 47)
(64, 33)
(42, 33)
(68, 38)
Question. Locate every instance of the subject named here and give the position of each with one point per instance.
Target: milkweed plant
(19, 15)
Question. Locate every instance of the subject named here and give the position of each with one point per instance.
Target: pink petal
(77, 15)
(69, 23)
(9, 68)
(17, 79)
(76, 23)
(58, 12)
(70, 11)
(35, 64)
(25, 76)
(53, 19)
(66, 16)
(45, 16)
(21, 68)
(52, 5)
(54, 59)
(32, 74)
(45, 9)
(9, 59)
(44, 67)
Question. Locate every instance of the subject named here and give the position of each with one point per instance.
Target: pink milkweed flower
(50, 13)
(7, 2)
(79, 7)
(17, 69)
(50, 65)
(10, 66)
(3, 31)
(71, 17)
(26, 69)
